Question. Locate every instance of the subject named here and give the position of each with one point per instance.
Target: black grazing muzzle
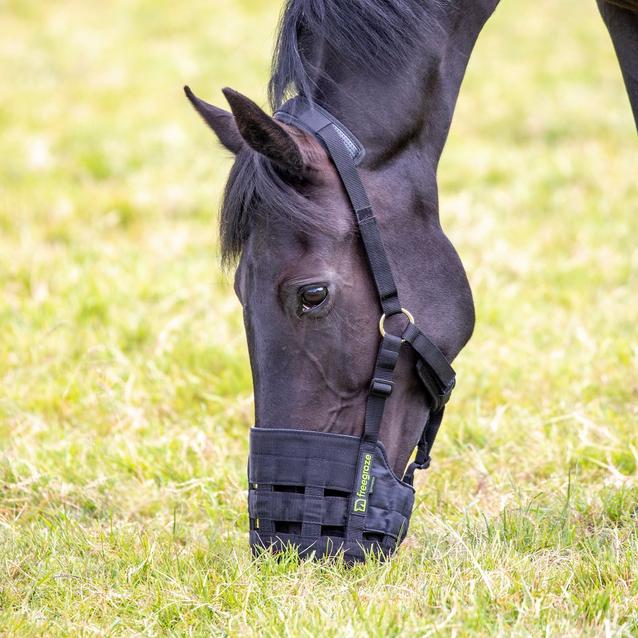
(326, 494)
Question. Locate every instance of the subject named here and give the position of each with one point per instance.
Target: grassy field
(125, 392)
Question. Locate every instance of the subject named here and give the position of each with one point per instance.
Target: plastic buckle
(381, 387)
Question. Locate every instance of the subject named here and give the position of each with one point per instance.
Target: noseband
(329, 493)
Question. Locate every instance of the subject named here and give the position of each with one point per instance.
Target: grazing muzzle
(323, 493)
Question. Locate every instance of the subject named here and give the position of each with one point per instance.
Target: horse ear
(222, 122)
(265, 135)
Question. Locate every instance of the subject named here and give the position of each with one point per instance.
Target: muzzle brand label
(361, 502)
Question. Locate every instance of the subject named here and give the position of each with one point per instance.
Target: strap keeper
(432, 385)
(364, 214)
(447, 393)
(381, 387)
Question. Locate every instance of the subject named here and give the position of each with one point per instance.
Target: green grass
(125, 393)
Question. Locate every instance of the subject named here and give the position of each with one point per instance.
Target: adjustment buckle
(381, 387)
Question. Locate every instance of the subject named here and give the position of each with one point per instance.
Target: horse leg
(622, 23)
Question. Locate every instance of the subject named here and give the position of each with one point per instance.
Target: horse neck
(408, 110)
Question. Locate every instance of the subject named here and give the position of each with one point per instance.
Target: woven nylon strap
(433, 368)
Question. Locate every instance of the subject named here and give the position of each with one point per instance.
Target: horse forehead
(276, 239)
(284, 253)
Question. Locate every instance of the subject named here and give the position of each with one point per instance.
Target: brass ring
(407, 313)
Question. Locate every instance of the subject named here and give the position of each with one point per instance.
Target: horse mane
(370, 35)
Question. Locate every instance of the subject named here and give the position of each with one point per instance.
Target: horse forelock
(256, 191)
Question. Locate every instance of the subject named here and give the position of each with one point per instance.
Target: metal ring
(407, 313)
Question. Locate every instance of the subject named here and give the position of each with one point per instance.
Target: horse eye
(312, 296)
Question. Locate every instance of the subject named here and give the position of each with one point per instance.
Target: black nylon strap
(439, 379)
(430, 354)
(424, 447)
(368, 227)
(312, 118)
(380, 389)
(380, 386)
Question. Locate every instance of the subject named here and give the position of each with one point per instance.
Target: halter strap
(434, 370)
(312, 118)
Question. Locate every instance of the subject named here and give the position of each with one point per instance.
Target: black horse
(390, 72)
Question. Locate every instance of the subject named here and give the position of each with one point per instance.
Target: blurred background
(125, 392)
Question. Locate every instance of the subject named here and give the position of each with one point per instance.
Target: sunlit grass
(125, 394)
